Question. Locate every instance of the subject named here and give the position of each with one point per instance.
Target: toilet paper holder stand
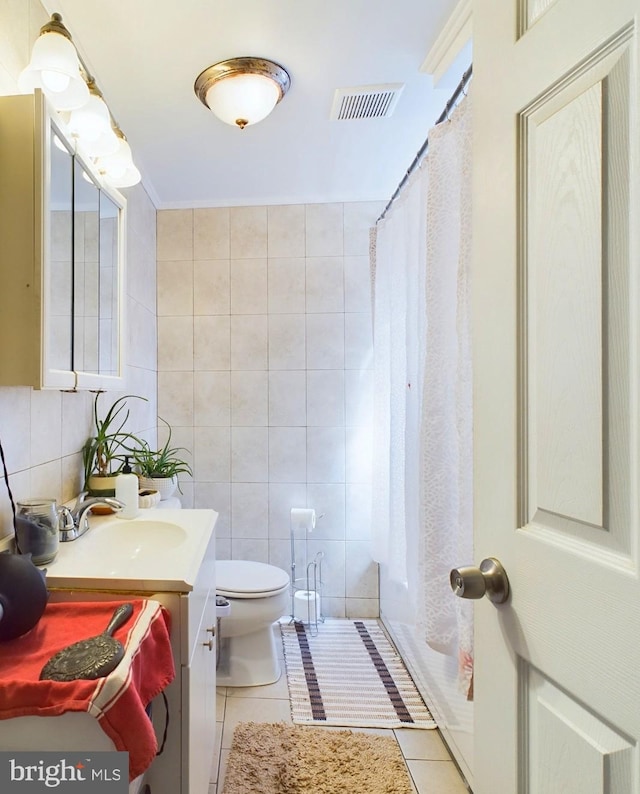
(306, 606)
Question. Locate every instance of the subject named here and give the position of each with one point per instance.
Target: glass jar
(37, 529)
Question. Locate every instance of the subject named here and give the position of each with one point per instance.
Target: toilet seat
(248, 579)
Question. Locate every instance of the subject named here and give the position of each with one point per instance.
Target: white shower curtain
(399, 319)
(423, 433)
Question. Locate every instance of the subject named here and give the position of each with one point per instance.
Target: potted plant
(159, 469)
(104, 452)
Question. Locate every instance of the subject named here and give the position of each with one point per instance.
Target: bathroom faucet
(77, 520)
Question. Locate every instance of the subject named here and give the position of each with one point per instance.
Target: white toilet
(259, 595)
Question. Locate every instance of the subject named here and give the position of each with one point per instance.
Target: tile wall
(265, 374)
(42, 432)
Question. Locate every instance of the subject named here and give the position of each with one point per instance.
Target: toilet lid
(248, 579)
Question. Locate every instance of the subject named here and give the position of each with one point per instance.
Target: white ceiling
(146, 54)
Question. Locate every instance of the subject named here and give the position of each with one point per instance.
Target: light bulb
(54, 81)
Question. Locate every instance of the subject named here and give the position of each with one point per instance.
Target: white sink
(136, 538)
(160, 550)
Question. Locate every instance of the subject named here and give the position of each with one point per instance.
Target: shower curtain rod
(423, 149)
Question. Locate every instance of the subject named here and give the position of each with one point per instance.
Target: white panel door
(556, 411)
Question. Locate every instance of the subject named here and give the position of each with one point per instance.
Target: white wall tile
(286, 285)
(186, 495)
(287, 341)
(72, 477)
(46, 479)
(248, 232)
(249, 341)
(252, 549)
(249, 286)
(361, 571)
(325, 284)
(175, 343)
(249, 454)
(46, 428)
(333, 607)
(287, 398)
(212, 454)
(325, 341)
(359, 217)
(358, 454)
(359, 397)
(325, 454)
(324, 230)
(357, 284)
(333, 565)
(21, 489)
(212, 399)
(15, 426)
(212, 286)
(358, 341)
(362, 608)
(328, 500)
(358, 511)
(223, 549)
(175, 235)
(77, 420)
(280, 556)
(286, 230)
(175, 397)
(212, 343)
(287, 454)
(210, 233)
(175, 288)
(326, 397)
(216, 496)
(249, 398)
(283, 497)
(249, 510)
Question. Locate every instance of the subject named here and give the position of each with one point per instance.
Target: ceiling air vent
(365, 102)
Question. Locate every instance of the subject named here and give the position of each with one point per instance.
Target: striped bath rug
(350, 675)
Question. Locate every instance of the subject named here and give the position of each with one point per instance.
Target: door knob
(489, 579)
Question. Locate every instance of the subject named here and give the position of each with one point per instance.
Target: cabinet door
(58, 282)
(86, 277)
(199, 692)
(61, 318)
(108, 292)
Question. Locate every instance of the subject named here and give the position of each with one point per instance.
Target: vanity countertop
(159, 550)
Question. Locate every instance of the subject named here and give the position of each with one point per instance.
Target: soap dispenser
(127, 491)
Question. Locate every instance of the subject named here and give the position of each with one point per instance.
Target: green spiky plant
(161, 463)
(103, 453)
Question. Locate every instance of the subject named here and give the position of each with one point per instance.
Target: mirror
(86, 272)
(108, 361)
(59, 284)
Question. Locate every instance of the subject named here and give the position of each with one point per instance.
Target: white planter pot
(166, 486)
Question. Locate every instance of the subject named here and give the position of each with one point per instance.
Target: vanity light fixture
(55, 68)
(91, 125)
(118, 168)
(242, 91)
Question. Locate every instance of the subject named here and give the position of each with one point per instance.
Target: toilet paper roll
(306, 605)
(303, 518)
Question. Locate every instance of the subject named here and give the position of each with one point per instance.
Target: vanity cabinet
(62, 257)
(188, 594)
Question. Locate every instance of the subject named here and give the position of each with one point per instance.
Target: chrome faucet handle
(80, 514)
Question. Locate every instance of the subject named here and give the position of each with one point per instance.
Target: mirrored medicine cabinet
(62, 257)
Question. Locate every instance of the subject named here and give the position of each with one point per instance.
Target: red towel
(118, 701)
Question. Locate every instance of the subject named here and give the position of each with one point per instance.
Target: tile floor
(430, 766)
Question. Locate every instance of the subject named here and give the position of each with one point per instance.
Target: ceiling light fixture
(55, 68)
(242, 91)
